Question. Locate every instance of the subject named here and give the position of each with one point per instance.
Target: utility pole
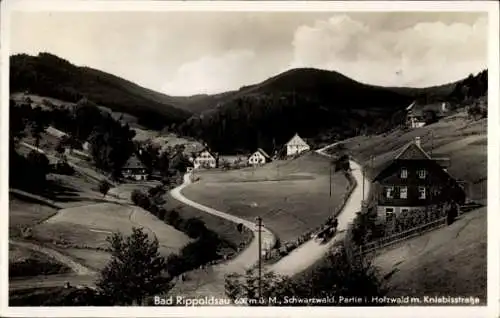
(363, 172)
(330, 197)
(259, 235)
(432, 142)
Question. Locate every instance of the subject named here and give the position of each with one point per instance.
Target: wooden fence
(372, 247)
(398, 237)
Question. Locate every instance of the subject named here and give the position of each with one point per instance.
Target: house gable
(205, 154)
(297, 141)
(133, 163)
(412, 152)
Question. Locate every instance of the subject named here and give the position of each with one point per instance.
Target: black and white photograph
(277, 157)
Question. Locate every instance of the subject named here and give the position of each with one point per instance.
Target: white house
(296, 145)
(259, 157)
(205, 159)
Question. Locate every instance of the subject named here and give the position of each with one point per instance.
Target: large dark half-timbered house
(413, 181)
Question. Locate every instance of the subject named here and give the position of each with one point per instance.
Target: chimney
(417, 141)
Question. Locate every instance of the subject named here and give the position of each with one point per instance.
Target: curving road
(294, 263)
(247, 258)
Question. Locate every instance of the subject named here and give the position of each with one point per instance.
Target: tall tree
(136, 269)
(38, 124)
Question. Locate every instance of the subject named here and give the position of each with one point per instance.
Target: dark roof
(418, 109)
(412, 153)
(263, 153)
(133, 163)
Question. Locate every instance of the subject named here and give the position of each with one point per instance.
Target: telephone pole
(259, 235)
(330, 196)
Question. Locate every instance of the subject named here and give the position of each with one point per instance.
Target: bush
(161, 213)
(140, 199)
(176, 265)
(201, 251)
(104, 187)
(335, 276)
(64, 168)
(173, 218)
(195, 227)
(34, 267)
(39, 167)
(158, 190)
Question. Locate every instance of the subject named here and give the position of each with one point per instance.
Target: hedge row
(204, 249)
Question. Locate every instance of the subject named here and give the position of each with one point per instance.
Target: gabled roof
(412, 151)
(206, 150)
(133, 163)
(262, 152)
(411, 105)
(296, 141)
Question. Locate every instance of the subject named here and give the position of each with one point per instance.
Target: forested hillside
(50, 76)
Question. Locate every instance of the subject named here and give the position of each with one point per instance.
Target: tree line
(110, 141)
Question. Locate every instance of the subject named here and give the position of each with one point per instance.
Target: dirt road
(311, 251)
(248, 257)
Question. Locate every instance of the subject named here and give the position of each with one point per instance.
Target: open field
(93, 259)
(24, 262)
(90, 225)
(25, 213)
(288, 207)
(463, 141)
(450, 261)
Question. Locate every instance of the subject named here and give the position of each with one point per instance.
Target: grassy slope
(291, 199)
(25, 213)
(24, 262)
(447, 262)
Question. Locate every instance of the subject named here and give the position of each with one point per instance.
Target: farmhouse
(296, 145)
(134, 169)
(259, 157)
(418, 114)
(412, 181)
(205, 159)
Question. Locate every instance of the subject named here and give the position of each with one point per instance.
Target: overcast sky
(208, 52)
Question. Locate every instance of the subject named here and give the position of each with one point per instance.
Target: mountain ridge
(310, 101)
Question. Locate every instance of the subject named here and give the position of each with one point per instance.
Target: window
(403, 192)
(421, 193)
(422, 174)
(389, 192)
(404, 173)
